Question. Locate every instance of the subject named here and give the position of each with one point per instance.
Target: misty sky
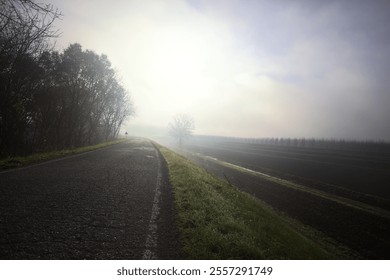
(245, 68)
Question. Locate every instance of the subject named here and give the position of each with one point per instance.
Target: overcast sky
(245, 68)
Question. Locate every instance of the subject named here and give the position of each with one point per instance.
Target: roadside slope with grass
(217, 221)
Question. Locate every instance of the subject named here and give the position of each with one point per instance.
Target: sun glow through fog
(243, 69)
(177, 62)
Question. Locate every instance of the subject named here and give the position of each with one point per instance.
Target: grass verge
(15, 162)
(217, 221)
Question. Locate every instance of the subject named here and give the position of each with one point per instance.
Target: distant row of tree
(52, 100)
(339, 144)
(330, 144)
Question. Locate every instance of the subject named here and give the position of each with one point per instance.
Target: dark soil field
(357, 176)
(359, 171)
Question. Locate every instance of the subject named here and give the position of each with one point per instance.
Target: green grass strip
(15, 162)
(217, 221)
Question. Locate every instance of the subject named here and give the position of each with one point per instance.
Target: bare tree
(181, 127)
(26, 30)
(81, 102)
(26, 27)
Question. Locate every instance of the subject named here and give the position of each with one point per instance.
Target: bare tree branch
(181, 127)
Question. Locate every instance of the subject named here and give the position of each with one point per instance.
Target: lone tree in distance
(181, 127)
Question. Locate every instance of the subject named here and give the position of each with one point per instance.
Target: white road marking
(151, 238)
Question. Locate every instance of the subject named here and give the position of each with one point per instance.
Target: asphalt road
(113, 203)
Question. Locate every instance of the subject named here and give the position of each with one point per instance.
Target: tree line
(49, 99)
(311, 143)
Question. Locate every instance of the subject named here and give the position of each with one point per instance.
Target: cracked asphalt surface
(96, 205)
